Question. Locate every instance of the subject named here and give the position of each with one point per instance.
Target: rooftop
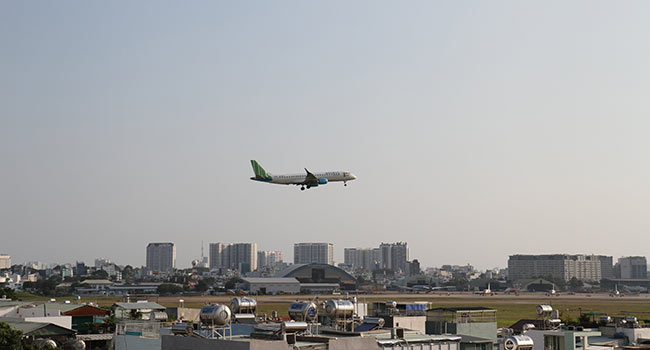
(139, 306)
(270, 280)
(38, 328)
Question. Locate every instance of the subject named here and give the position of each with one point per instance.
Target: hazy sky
(477, 129)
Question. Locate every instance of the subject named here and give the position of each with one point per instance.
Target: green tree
(231, 283)
(100, 274)
(10, 339)
(169, 289)
(9, 293)
(575, 283)
(128, 274)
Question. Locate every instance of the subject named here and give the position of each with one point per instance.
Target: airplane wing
(310, 178)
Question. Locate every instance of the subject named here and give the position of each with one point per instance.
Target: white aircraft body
(307, 180)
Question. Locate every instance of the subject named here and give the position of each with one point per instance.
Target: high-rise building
(395, 256)
(218, 259)
(367, 259)
(561, 266)
(161, 257)
(99, 262)
(307, 253)
(235, 256)
(633, 267)
(269, 258)
(5, 261)
(80, 269)
(606, 266)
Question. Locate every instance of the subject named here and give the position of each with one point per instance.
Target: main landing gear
(302, 188)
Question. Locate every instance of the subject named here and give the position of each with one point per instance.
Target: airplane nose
(353, 177)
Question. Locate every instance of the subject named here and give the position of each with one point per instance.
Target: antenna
(201, 251)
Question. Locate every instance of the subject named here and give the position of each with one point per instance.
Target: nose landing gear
(302, 188)
(345, 183)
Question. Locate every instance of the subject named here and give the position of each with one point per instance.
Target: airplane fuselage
(299, 179)
(306, 180)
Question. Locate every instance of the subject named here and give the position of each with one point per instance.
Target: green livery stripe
(258, 170)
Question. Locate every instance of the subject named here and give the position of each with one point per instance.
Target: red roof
(87, 310)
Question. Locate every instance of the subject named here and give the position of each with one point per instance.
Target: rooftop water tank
(339, 308)
(216, 314)
(518, 342)
(243, 305)
(303, 311)
(544, 309)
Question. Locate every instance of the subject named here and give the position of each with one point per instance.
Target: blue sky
(476, 129)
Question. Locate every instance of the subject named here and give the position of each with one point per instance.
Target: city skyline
(377, 250)
(502, 128)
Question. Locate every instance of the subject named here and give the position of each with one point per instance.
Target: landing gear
(302, 188)
(345, 183)
(308, 187)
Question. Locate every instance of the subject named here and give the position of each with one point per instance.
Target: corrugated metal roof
(93, 337)
(137, 306)
(39, 329)
(271, 280)
(288, 270)
(58, 306)
(4, 303)
(97, 282)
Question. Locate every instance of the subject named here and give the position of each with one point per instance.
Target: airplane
(552, 292)
(307, 180)
(487, 291)
(616, 293)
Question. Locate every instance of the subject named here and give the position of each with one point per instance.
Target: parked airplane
(487, 291)
(308, 180)
(552, 292)
(616, 293)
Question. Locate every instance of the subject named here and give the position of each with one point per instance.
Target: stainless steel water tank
(293, 326)
(303, 311)
(518, 342)
(544, 309)
(631, 319)
(339, 308)
(374, 320)
(243, 305)
(215, 314)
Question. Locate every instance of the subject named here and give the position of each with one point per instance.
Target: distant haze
(476, 129)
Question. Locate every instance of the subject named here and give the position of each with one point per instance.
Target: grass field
(509, 308)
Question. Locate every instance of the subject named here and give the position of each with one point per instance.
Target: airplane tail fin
(258, 170)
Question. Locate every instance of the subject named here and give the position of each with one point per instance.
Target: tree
(128, 274)
(10, 339)
(8, 293)
(100, 274)
(169, 288)
(231, 283)
(575, 283)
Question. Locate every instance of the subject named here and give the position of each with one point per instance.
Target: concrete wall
(184, 313)
(367, 343)
(633, 334)
(275, 288)
(130, 342)
(416, 323)
(485, 330)
(171, 342)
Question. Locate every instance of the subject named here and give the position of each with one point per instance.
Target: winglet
(258, 170)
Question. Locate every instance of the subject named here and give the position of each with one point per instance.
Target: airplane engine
(322, 181)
